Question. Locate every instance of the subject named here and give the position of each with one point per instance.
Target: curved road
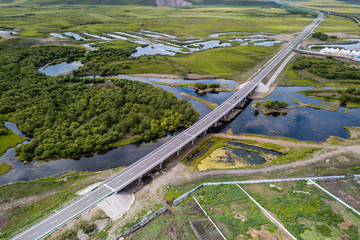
(147, 163)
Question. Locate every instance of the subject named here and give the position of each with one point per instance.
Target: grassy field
(306, 211)
(39, 21)
(210, 105)
(27, 202)
(233, 212)
(342, 6)
(8, 141)
(335, 24)
(4, 168)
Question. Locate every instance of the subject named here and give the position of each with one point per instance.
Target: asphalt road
(147, 163)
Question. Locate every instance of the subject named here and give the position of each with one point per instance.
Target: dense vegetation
(200, 85)
(329, 68)
(346, 96)
(68, 117)
(322, 36)
(270, 104)
(105, 61)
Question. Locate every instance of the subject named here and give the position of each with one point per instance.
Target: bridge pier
(161, 165)
(178, 153)
(192, 141)
(139, 180)
(205, 132)
(216, 124)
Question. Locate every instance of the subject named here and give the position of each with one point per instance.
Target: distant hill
(136, 2)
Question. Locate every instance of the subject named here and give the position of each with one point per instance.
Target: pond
(96, 36)
(252, 158)
(348, 46)
(306, 124)
(116, 36)
(58, 35)
(74, 35)
(267, 43)
(61, 68)
(254, 148)
(159, 33)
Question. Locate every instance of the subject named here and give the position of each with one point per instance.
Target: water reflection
(303, 123)
(61, 68)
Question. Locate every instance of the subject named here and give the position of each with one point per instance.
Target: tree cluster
(104, 62)
(270, 104)
(322, 36)
(3, 129)
(200, 85)
(328, 68)
(68, 117)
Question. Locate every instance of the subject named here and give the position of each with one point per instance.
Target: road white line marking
(110, 188)
(90, 199)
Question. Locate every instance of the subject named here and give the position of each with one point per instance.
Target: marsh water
(61, 68)
(354, 44)
(302, 123)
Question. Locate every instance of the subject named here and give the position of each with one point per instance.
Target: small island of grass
(271, 106)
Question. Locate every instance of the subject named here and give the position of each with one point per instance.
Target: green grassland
(8, 139)
(233, 211)
(350, 7)
(306, 211)
(321, 72)
(335, 24)
(4, 168)
(41, 197)
(39, 21)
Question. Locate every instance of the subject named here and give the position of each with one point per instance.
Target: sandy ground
(117, 205)
(7, 35)
(284, 37)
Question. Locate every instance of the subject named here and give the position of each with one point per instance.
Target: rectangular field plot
(176, 224)
(235, 214)
(306, 211)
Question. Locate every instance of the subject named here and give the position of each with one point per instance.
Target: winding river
(302, 123)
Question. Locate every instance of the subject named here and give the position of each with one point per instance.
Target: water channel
(302, 123)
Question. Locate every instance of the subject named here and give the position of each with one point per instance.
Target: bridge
(159, 155)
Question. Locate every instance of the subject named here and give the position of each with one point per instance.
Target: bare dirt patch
(283, 37)
(264, 234)
(346, 190)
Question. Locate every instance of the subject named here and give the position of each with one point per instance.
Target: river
(302, 123)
